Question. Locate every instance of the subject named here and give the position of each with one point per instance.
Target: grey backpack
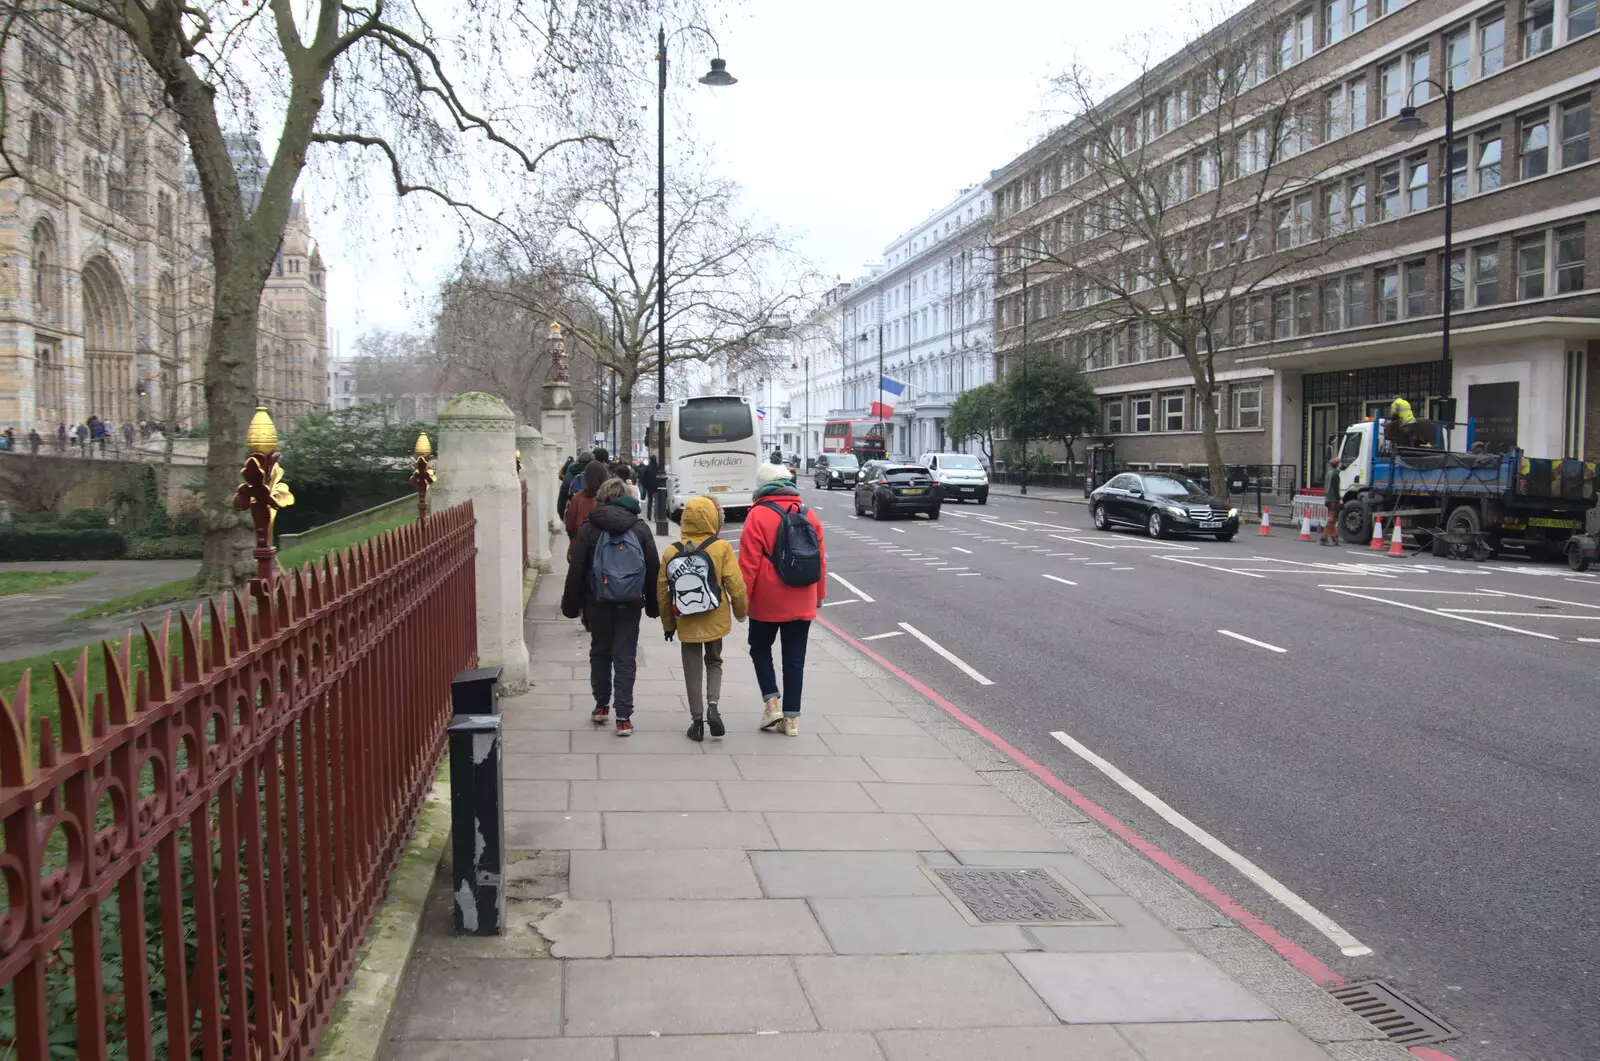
(616, 572)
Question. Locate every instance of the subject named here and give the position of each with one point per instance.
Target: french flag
(761, 414)
(887, 385)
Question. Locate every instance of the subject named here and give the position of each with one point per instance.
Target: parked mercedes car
(836, 471)
(886, 488)
(960, 476)
(1162, 504)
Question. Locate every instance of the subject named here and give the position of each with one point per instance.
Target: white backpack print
(692, 580)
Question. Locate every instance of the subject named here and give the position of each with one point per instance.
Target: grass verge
(183, 589)
(28, 581)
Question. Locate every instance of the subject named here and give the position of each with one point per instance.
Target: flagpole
(887, 436)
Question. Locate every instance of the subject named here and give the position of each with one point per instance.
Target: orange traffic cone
(1396, 546)
(1266, 524)
(1377, 533)
(1305, 528)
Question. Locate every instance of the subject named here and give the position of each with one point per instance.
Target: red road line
(1309, 964)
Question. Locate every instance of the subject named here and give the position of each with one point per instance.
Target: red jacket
(773, 600)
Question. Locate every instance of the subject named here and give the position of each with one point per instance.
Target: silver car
(960, 476)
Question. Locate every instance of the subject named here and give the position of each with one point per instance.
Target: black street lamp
(1025, 395)
(1409, 123)
(717, 77)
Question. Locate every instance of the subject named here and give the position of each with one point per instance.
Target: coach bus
(714, 450)
(867, 439)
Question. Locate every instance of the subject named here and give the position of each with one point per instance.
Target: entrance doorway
(1325, 426)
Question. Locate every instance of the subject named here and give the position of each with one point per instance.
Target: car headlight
(1232, 512)
(1176, 511)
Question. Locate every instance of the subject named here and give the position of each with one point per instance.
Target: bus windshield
(707, 420)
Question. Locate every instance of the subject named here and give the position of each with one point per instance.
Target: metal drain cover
(1020, 896)
(1402, 1020)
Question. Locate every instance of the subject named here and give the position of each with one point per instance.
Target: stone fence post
(541, 495)
(477, 463)
(554, 459)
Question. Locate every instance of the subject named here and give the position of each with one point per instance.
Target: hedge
(62, 544)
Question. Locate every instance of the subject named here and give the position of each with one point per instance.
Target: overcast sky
(851, 121)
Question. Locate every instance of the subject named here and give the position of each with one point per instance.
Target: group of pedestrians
(697, 587)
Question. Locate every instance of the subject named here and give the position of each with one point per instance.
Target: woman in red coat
(778, 611)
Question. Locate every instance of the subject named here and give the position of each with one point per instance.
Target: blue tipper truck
(1470, 504)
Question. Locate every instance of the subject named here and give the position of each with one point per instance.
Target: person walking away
(784, 564)
(649, 480)
(610, 584)
(61, 437)
(699, 588)
(564, 491)
(624, 471)
(34, 441)
(583, 502)
(1331, 497)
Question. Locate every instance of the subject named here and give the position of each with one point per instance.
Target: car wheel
(983, 498)
(1101, 520)
(1355, 523)
(1228, 537)
(933, 513)
(859, 510)
(1156, 526)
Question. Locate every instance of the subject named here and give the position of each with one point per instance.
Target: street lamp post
(717, 77)
(1025, 395)
(1409, 123)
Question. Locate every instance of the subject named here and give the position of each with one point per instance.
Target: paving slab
(821, 874)
(1136, 930)
(684, 766)
(1085, 1042)
(990, 832)
(481, 998)
(1227, 1041)
(910, 925)
(677, 927)
(757, 742)
(919, 991)
(780, 1046)
(535, 795)
(803, 768)
(716, 873)
(918, 747)
(684, 996)
(515, 766)
(905, 771)
(840, 796)
(578, 929)
(543, 830)
(1137, 988)
(647, 739)
(531, 720)
(849, 832)
(873, 725)
(941, 799)
(503, 1050)
(647, 795)
(667, 829)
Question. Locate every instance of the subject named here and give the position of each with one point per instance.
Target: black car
(1162, 504)
(887, 487)
(836, 470)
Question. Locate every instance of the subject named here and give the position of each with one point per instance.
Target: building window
(1419, 89)
(1143, 416)
(1388, 282)
(1489, 159)
(1458, 280)
(1574, 131)
(1355, 300)
(1416, 279)
(1535, 146)
(1304, 311)
(1389, 192)
(1491, 45)
(1538, 27)
(1580, 18)
(1282, 226)
(1389, 7)
(1113, 416)
(1569, 260)
(1358, 202)
(1334, 16)
(1458, 58)
(1172, 412)
(1247, 408)
(1282, 322)
(1417, 183)
(1258, 319)
(1331, 306)
(1459, 154)
(1358, 14)
(1530, 266)
(1333, 210)
(1295, 45)
(1391, 91)
(1485, 275)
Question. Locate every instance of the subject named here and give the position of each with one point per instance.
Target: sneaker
(772, 713)
(791, 727)
(697, 731)
(624, 728)
(714, 721)
(601, 715)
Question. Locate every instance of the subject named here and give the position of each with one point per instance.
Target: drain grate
(1041, 896)
(1402, 1020)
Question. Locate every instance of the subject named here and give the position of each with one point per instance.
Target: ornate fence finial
(262, 491)
(519, 462)
(558, 354)
(422, 473)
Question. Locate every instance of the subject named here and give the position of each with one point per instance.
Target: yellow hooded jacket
(702, 517)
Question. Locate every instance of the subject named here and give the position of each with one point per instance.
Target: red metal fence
(524, 523)
(288, 745)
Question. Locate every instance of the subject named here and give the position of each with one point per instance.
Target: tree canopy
(978, 414)
(1045, 397)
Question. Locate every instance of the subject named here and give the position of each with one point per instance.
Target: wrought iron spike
(16, 737)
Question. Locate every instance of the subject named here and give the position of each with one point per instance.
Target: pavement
(773, 898)
(35, 623)
(1387, 755)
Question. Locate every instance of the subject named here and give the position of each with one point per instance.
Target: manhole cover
(1022, 896)
(1401, 1019)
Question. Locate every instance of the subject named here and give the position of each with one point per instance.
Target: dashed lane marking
(1251, 641)
(960, 664)
(880, 637)
(1444, 615)
(946, 570)
(958, 549)
(1057, 578)
(837, 578)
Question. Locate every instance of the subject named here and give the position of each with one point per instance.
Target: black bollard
(477, 825)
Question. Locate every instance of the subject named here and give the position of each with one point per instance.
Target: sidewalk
(777, 899)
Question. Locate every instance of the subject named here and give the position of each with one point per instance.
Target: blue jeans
(792, 635)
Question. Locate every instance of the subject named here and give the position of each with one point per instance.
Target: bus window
(714, 420)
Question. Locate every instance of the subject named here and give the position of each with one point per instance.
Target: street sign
(662, 414)
(599, 436)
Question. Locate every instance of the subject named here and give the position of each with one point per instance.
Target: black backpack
(796, 551)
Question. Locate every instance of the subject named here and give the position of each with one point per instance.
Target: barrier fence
(192, 857)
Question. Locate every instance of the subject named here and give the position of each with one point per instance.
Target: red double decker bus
(867, 439)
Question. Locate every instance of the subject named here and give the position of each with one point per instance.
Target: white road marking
(946, 653)
(836, 603)
(1122, 569)
(1590, 640)
(1056, 578)
(1400, 589)
(931, 563)
(944, 570)
(969, 574)
(958, 549)
(1519, 615)
(1347, 944)
(1101, 563)
(1061, 554)
(1052, 526)
(959, 515)
(880, 637)
(1065, 539)
(1445, 615)
(897, 530)
(1251, 641)
(1210, 567)
(835, 576)
(1547, 600)
(1580, 581)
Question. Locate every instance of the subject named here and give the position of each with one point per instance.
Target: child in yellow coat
(699, 589)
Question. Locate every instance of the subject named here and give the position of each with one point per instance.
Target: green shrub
(62, 543)
(163, 547)
(86, 519)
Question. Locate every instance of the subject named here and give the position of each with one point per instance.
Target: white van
(960, 476)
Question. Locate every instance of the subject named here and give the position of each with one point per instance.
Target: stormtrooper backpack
(692, 579)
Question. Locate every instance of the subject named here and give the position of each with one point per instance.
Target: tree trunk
(1208, 429)
(625, 428)
(230, 386)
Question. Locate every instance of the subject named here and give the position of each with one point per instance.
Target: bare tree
(499, 90)
(1172, 203)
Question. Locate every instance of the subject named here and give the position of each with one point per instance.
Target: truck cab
(1356, 450)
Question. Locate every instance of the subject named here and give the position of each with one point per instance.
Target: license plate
(1211, 525)
(969, 489)
(719, 489)
(918, 490)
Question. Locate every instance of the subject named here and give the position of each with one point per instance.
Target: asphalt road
(1407, 745)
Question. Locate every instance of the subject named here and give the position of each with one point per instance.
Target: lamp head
(718, 76)
(1408, 123)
